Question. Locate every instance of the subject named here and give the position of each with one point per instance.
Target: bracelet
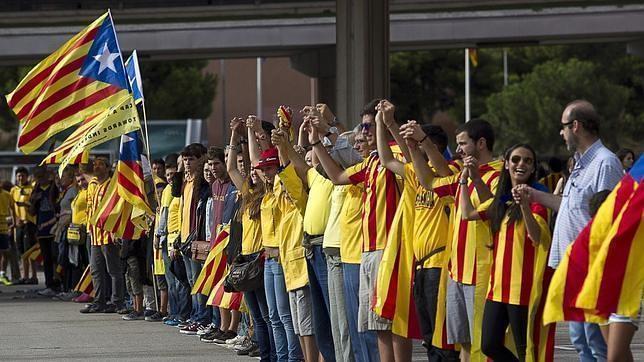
(315, 143)
(423, 140)
(462, 182)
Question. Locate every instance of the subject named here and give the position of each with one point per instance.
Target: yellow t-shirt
(174, 215)
(22, 194)
(351, 225)
(318, 205)
(291, 200)
(6, 204)
(332, 235)
(270, 219)
(251, 234)
(79, 208)
(430, 222)
(186, 203)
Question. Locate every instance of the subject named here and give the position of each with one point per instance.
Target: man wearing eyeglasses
(596, 169)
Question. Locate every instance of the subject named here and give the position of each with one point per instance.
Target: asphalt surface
(38, 328)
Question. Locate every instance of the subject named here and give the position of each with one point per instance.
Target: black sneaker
(134, 316)
(93, 308)
(210, 337)
(155, 317)
(254, 352)
(245, 351)
(112, 308)
(222, 338)
(149, 312)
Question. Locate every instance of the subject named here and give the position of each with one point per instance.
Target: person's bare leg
(225, 319)
(138, 303)
(32, 265)
(385, 346)
(234, 320)
(619, 342)
(605, 329)
(465, 352)
(402, 348)
(311, 351)
(163, 305)
(25, 267)
(4, 260)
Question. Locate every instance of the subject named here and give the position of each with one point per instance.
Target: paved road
(39, 328)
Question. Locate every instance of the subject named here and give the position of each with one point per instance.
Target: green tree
(529, 110)
(178, 89)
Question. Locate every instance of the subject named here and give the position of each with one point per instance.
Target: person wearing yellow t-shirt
(266, 161)
(6, 219)
(252, 192)
(420, 248)
(104, 253)
(469, 256)
(25, 226)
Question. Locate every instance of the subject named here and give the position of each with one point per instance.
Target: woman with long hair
(252, 192)
(521, 239)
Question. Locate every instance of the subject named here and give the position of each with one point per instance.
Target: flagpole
(467, 84)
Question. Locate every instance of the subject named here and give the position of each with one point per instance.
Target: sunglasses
(517, 159)
(365, 126)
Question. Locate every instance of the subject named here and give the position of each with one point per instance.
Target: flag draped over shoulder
(83, 77)
(214, 268)
(601, 272)
(122, 211)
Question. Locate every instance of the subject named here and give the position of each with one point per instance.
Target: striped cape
(606, 257)
(393, 298)
(70, 84)
(33, 254)
(85, 284)
(214, 268)
(220, 298)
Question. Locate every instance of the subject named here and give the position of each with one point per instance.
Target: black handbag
(246, 273)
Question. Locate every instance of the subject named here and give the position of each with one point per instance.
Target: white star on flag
(106, 60)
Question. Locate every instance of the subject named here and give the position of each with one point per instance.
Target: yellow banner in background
(110, 124)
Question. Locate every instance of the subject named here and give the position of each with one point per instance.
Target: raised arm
(435, 157)
(424, 173)
(233, 149)
(336, 174)
(254, 149)
(468, 212)
(287, 154)
(483, 191)
(384, 151)
(388, 110)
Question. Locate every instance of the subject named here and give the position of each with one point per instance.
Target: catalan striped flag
(222, 299)
(214, 268)
(83, 77)
(122, 212)
(85, 284)
(551, 181)
(605, 256)
(33, 254)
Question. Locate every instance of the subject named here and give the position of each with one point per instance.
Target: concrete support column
(320, 64)
(362, 55)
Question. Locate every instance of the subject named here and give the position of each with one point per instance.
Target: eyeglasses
(567, 124)
(517, 159)
(365, 126)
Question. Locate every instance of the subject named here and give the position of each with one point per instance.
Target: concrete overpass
(343, 44)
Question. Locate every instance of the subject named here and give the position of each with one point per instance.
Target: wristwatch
(332, 130)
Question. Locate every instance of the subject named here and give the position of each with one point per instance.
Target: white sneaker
(245, 342)
(211, 327)
(48, 292)
(233, 341)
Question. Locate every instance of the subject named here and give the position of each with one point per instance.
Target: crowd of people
(324, 243)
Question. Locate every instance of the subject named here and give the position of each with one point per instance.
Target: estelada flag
(222, 299)
(588, 285)
(58, 154)
(83, 77)
(214, 268)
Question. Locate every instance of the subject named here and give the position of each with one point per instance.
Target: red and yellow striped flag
(123, 211)
(83, 77)
(59, 153)
(220, 298)
(85, 284)
(214, 268)
(33, 254)
(611, 236)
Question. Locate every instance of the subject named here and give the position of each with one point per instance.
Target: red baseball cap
(269, 157)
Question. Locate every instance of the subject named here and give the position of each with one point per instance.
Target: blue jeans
(364, 344)
(200, 311)
(287, 344)
(588, 341)
(319, 284)
(258, 308)
(173, 296)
